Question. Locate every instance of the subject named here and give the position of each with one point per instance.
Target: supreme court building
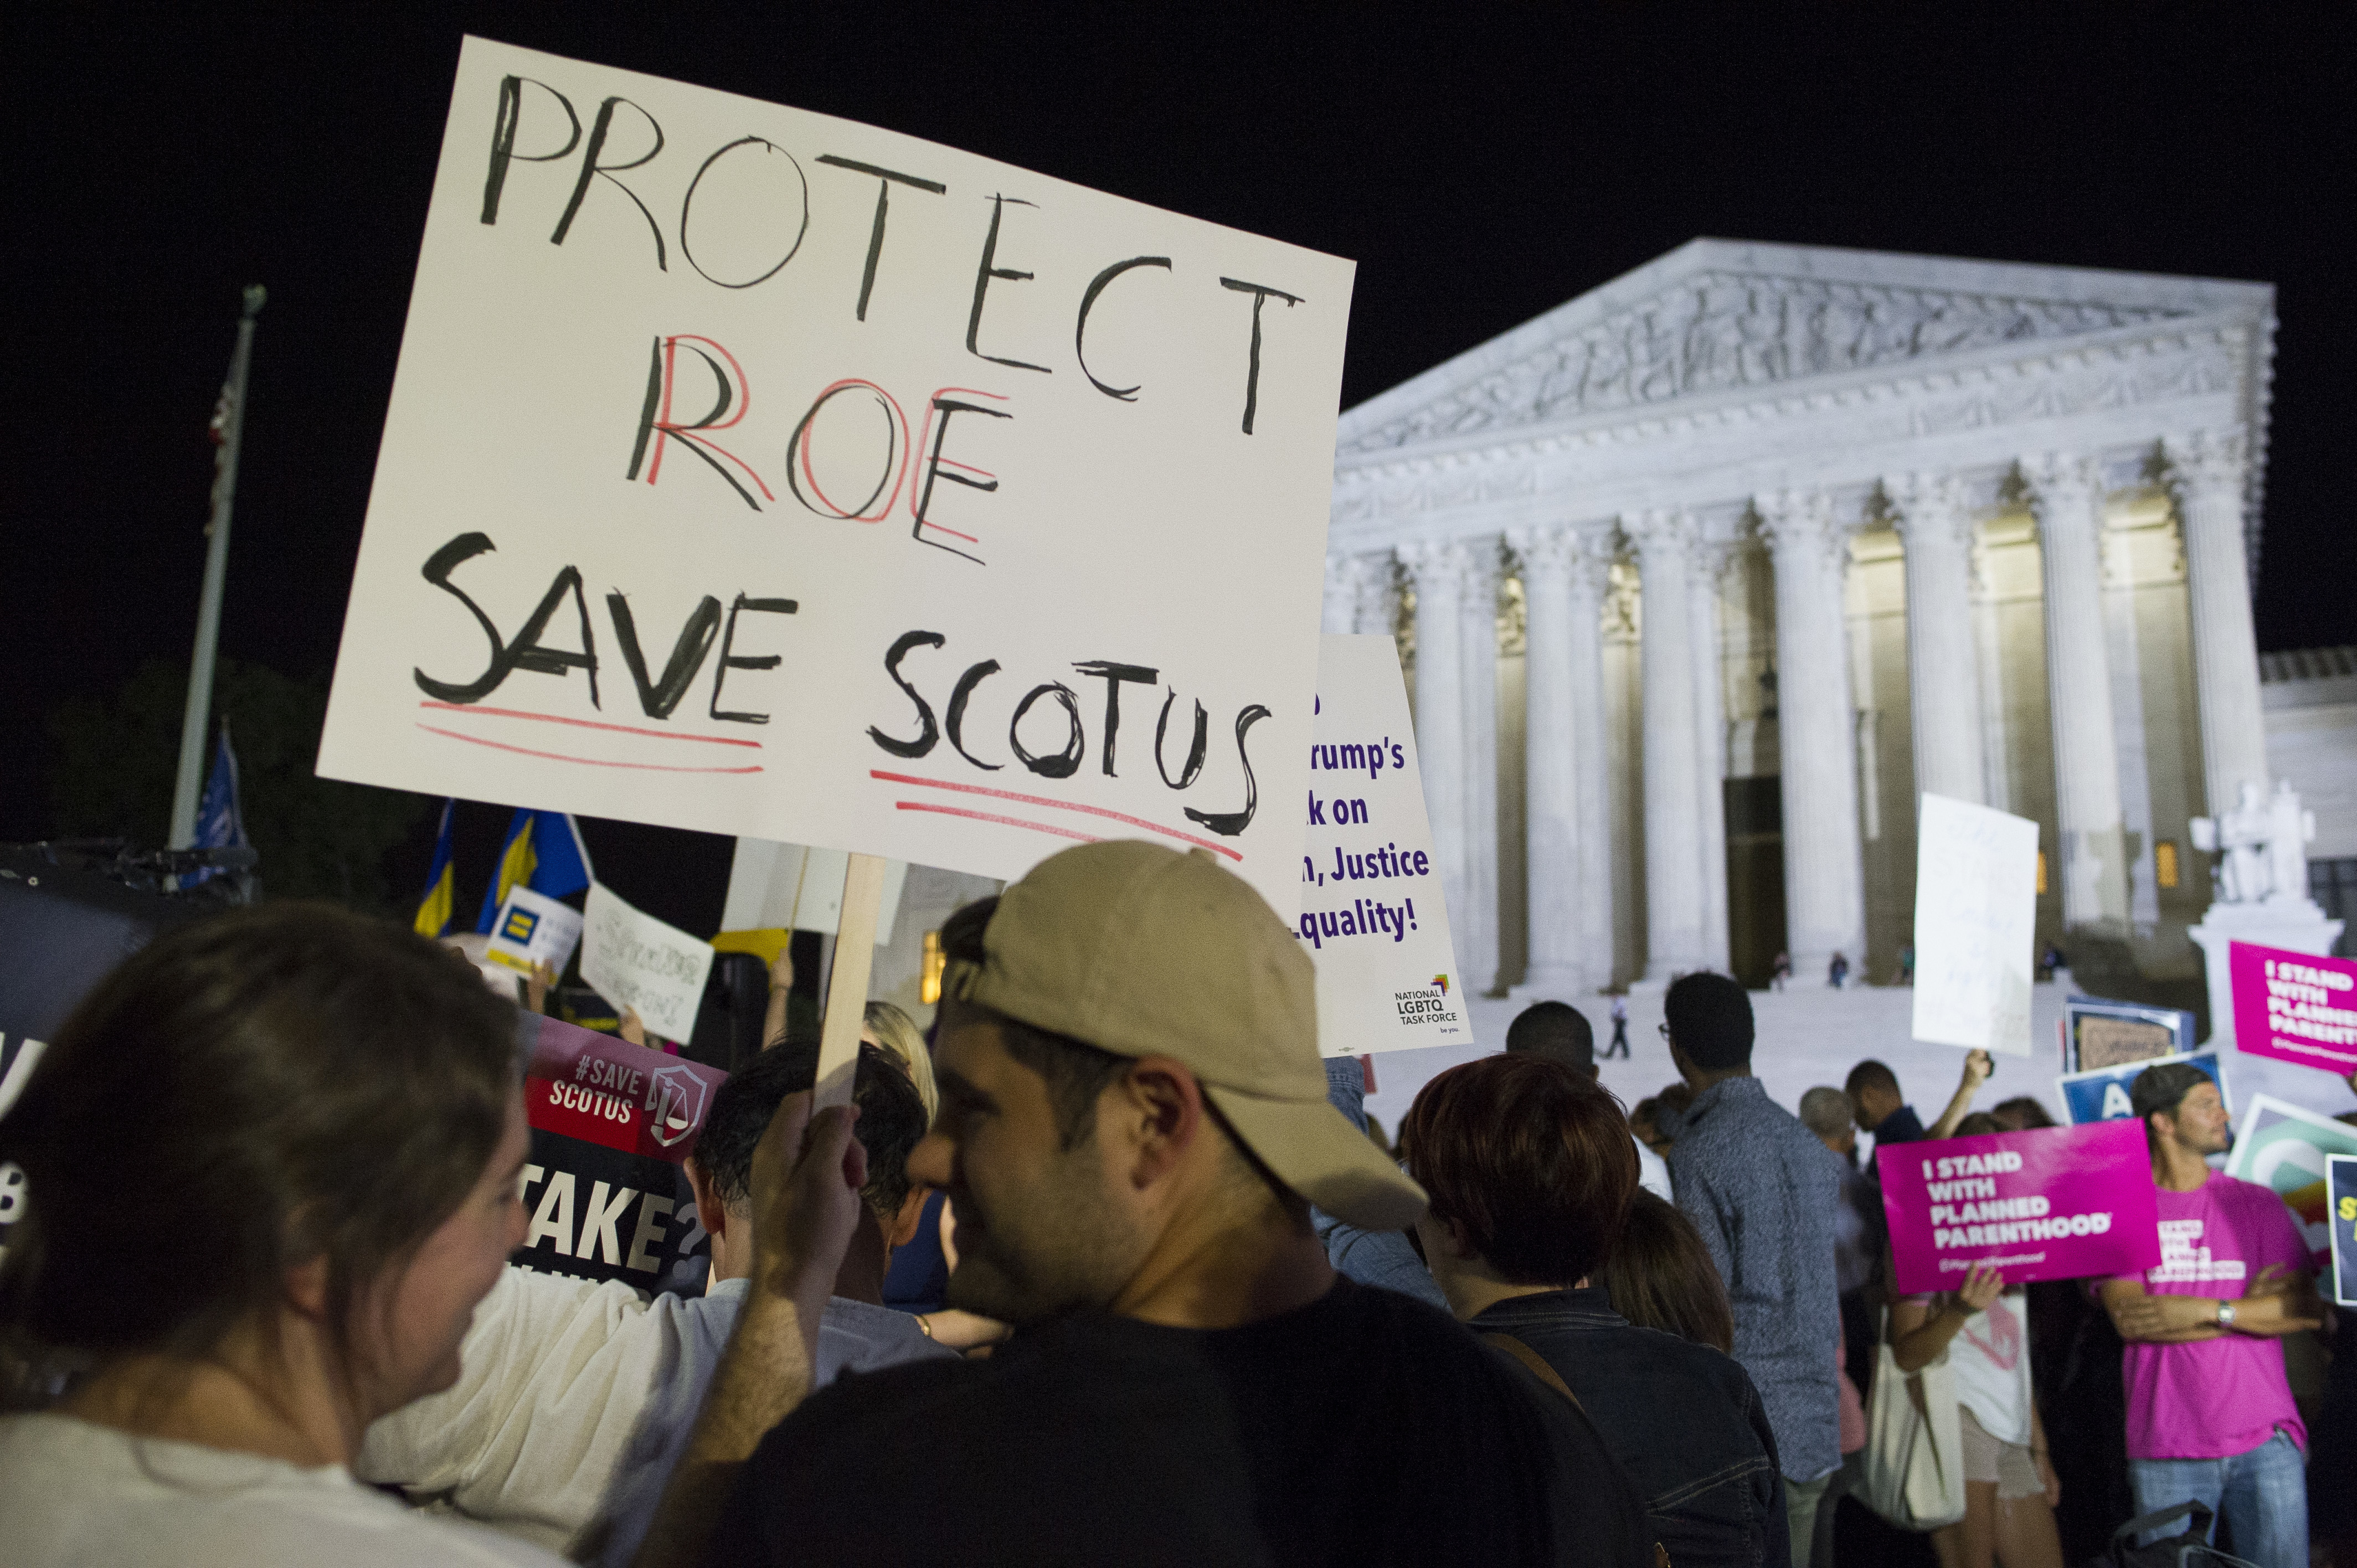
(1701, 577)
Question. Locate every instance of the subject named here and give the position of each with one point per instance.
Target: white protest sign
(1372, 914)
(758, 472)
(1975, 914)
(532, 928)
(636, 961)
(788, 886)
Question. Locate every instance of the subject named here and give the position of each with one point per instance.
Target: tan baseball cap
(1143, 950)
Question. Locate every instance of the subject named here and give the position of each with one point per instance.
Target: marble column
(1943, 688)
(1825, 877)
(2070, 501)
(2211, 492)
(1378, 607)
(1355, 586)
(1477, 931)
(1591, 764)
(2116, 551)
(1673, 776)
(1339, 611)
(1564, 781)
(1710, 747)
(1438, 569)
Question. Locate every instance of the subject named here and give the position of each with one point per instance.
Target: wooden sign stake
(846, 988)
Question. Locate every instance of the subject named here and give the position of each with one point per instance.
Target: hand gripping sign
(2057, 1203)
(754, 471)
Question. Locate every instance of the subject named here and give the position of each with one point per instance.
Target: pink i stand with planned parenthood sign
(2054, 1203)
(2294, 1006)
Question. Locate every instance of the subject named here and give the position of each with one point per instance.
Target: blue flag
(441, 883)
(543, 852)
(221, 823)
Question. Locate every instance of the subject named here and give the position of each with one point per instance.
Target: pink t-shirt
(2223, 1396)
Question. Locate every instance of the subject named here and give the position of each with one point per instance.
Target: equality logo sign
(2294, 1006)
(2057, 1203)
(1371, 911)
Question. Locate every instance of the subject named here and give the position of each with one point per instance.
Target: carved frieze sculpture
(1720, 331)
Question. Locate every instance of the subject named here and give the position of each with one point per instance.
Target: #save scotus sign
(760, 472)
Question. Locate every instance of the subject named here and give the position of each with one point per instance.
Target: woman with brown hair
(1659, 1275)
(1532, 1176)
(271, 1163)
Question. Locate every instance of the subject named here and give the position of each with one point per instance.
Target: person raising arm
(807, 1173)
(1978, 1065)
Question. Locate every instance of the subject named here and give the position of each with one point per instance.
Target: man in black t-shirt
(1133, 1125)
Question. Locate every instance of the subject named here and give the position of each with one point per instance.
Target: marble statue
(2290, 832)
(2262, 845)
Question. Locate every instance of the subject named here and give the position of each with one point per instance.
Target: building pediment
(1717, 317)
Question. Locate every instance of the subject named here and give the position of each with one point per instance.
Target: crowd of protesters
(1163, 1295)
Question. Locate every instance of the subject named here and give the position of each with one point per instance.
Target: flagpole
(198, 714)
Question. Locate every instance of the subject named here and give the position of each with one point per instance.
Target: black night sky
(1480, 165)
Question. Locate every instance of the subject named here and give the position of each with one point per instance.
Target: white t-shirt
(575, 1399)
(1990, 1359)
(1652, 1171)
(77, 1495)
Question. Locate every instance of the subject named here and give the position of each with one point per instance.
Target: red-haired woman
(1531, 1173)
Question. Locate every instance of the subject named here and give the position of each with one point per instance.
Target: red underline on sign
(1055, 805)
(589, 761)
(590, 723)
(993, 817)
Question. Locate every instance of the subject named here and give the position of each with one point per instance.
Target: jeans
(1801, 1500)
(2262, 1494)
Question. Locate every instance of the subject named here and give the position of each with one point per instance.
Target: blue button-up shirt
(1762, 1191)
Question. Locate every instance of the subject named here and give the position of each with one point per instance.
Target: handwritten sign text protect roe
(760, 472)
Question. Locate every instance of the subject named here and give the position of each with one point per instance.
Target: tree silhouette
(112, 762)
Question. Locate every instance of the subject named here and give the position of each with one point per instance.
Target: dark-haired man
(1762, 1190)
(1560, 1032)
(1134, 1126)
(576, 1397)
(1882, 1110)
(1557, 1031)
(2210, 1416)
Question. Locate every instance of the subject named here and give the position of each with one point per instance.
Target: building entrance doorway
(1755, 877)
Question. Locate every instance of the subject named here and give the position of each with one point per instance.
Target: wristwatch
(2225, 1315)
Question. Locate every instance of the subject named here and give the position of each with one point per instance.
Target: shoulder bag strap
(1537, 1365)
